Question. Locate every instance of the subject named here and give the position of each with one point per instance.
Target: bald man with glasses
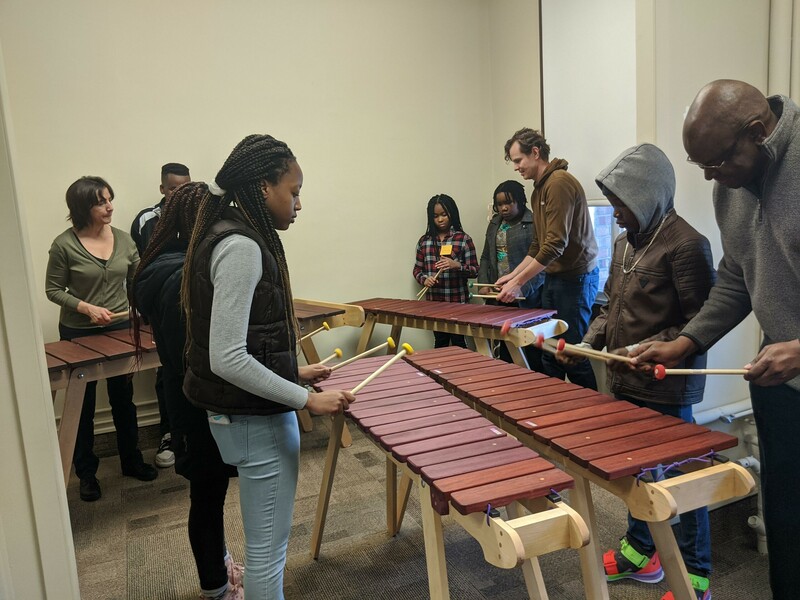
(750, 146)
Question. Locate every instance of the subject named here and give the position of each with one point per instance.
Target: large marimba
(598, 439)
(71, 365)
(462, 464)
(482, 322)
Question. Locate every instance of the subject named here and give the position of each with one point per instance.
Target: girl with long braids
(156, 295)
(445, 274)
(241, 344)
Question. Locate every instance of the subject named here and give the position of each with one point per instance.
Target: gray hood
(643, 179)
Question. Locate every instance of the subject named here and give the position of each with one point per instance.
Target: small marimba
(483, 323)
(462, 464)
(599, 439)
(71, 365)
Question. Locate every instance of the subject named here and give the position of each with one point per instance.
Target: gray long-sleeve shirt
(235, 271)
(760, 230)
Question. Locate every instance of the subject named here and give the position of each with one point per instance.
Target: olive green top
(74, 275)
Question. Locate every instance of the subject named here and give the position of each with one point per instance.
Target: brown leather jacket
(654, 301)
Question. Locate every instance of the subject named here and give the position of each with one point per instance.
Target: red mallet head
(660, 372)
(561, 345)
(539, 340)
(505, 327)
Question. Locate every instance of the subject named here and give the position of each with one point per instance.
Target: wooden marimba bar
(598, 439)
(458, 460)
(311, 314)
(482, 322)
(71, 365)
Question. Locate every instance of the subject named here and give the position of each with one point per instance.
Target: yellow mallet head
(409, 350)
(337, 352)
(391, 343)
(326, 326)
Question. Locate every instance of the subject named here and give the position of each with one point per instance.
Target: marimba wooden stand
(71, 365)
(524, 482)
(597, 439)
(310, 316)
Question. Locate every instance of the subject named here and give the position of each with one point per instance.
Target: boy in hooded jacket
(661, 274)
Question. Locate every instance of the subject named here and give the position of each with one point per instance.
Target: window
(605, 231)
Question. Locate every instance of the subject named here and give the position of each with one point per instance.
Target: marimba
(311, 314)
(482, 322)
(71, 365)
(598, 439)
(462, 465)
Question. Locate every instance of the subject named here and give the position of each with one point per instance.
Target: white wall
(385, 104)
(722, 39)
(589, 74)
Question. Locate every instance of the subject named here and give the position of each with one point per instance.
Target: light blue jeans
(266, 450)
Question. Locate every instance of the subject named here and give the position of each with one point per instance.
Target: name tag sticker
(446, 250)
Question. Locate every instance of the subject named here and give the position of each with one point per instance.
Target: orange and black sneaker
(628, 563)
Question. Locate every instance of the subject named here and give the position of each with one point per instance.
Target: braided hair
(257, 158)
(173, 230)
(450, 208)
(514, 191)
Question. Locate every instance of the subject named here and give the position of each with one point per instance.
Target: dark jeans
(442, 340)
(207, 530)
(163, 425)
(123, 412)
(777, 413)
(694, 534)
(572, 298)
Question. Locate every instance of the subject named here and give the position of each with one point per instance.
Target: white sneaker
(164, 456)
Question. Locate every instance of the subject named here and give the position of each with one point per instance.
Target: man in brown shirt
(563, 246)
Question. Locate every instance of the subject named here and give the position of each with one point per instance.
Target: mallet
(325, 327)
(660, 371)
(425, 288)
(480, 285)
(406, 349)
(120, 314)
(562, 346)
(337, 353)
(492, 296)
(389, 343)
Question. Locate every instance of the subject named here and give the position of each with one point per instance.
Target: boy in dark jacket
(661, 274)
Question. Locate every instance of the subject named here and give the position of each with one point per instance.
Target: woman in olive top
(90, 266)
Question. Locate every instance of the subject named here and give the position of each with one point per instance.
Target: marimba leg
(366, 333)
(531, 570)
(671, 560)
(517, 355)
(327, 484)
(391, 498)
(434, 546)
(70, 418)
(304, 418)
(402, 498)
(483, 346)
(594, 575)
(397, 330)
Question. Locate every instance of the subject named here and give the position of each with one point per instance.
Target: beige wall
(385, 104)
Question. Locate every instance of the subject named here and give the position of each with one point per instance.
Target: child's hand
(618, 365)
(311, 374)
(447, 263)
(430, 281)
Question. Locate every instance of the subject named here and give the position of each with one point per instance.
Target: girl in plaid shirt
(444, 229)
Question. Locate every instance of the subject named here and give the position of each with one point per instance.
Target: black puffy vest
(269, 338)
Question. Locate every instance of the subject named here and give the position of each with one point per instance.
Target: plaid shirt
(452, 284)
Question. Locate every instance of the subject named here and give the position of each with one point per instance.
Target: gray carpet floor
(132, 544)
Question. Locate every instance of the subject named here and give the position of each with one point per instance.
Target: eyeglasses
(728, 153)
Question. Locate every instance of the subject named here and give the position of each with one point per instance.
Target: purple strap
(488, 513)
(706, 458)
